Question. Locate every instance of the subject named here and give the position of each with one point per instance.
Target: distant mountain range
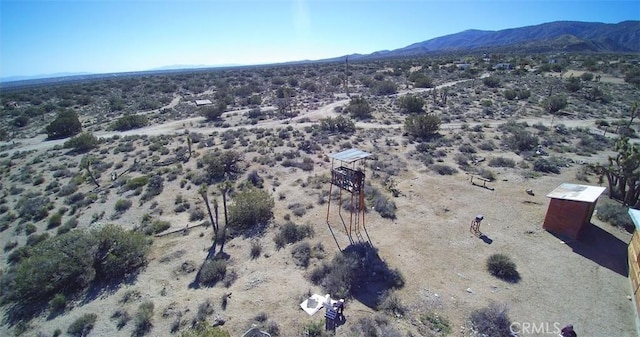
(559, 36)
(567, 36)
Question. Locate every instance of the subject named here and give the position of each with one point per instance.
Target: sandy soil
(580, 282)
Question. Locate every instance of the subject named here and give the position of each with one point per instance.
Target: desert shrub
(57, 304)
(122, 205)
(501, 266)
(510, 94)
(545, 165)
(502, 162)
(10, 245)
(384, 88)
(129, 122)
(34, 239)
(142, 319)
(411, 104)
(467, 148)
(82, 142)
(491, 81)
(492, 320)
(122, 317)
(338, 124)
(359, 108)
(137, 182)
(68, 189)
(615, 214)
(390, 303)
(213, 112)
(554, 104)
(213, 271)
(196, 214)
(436, 323)
(54, 221)
(255, 179)
(33, 207)
(205, 330)
(221, 165)
(82, 326)
(298, 209)
(486, 174)
(380, 202)
(357, 264)
(66, 124)
(301, 254)
(292, 233)
(38, 180)
(256, 249)
(443, 170)
(314, 329)
(422, 126)
(251, 207)
(487, 145)
(521, 140)
(152, 227)
(155, 186)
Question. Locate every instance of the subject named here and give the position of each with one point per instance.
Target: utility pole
(346, 75)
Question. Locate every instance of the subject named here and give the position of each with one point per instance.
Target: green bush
(250, 208)
(77, 259)
(492, 321)
(54, 221)
(339, 124)
(66, 124)
(129, 122)
(359, 108)
(82, 326)
(221, 165)
(82, 142)
(137, 182)
(58, 303)
(436, 323)
(213, 112)
(501, 266)
(411, 104)
(615, 214)
(422, 126)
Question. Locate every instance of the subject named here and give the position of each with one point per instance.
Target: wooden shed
(634, 264)
(570, 208)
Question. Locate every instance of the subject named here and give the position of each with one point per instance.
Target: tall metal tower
(349, 177)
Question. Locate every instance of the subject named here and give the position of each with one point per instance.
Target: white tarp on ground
(314, 303)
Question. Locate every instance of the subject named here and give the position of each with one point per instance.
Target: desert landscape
(139, 190)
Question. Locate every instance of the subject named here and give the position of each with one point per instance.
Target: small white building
(201, 102)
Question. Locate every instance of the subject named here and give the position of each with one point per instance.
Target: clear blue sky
(51, 36)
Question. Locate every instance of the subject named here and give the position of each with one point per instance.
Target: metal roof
(635, 217)
(349, 156)
(575, 192)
